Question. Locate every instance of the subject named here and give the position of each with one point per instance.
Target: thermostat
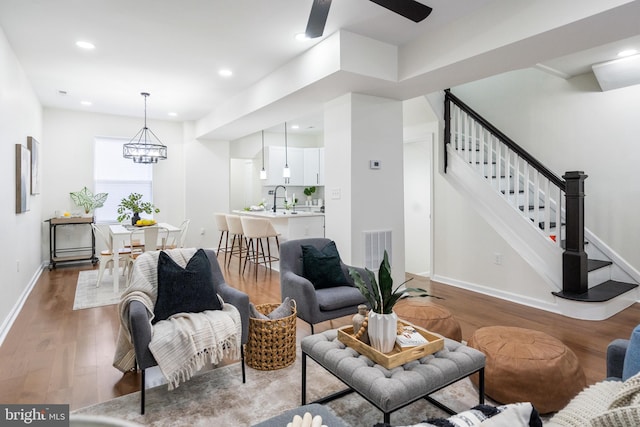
(374, 164)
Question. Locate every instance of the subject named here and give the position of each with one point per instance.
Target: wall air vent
(375, 243)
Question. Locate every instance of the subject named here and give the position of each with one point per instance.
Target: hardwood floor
(54, 354)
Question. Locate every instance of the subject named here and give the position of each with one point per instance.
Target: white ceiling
(174, 49)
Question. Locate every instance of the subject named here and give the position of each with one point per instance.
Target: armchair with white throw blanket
(178, 313)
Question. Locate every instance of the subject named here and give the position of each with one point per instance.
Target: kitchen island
(290, 225)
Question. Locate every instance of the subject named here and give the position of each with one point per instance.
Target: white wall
(206, 187)
(68, 161)
(572, 125)
(20, 116)
(360, 128)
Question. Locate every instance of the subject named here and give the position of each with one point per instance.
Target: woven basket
(272, 343)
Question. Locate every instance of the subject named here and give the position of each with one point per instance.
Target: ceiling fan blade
(317, 18)
(410, 9)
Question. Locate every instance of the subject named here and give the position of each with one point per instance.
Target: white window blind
(118, 176)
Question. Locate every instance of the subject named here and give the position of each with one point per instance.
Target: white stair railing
(523, 182)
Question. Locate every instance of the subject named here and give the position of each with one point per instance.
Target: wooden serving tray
(397, 356)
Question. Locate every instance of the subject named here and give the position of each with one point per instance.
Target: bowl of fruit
(145, 222)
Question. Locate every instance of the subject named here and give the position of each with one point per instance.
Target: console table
(79, 253)
(413, 381)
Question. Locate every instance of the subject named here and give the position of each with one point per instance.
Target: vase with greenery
(132, 206)
(382, 322)
(308, 191)
(88, 201)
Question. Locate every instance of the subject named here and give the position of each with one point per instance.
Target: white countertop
(278, 214)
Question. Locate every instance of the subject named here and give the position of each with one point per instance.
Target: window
(118, 176)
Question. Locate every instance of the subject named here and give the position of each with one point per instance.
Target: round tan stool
(524, 365)
(429, 316)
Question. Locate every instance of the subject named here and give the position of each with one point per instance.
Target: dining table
(120, 234)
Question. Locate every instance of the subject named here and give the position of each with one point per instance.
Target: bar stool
(255, 230)
(223, 228)
(234, 224)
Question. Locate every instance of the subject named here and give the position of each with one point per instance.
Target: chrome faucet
(275, 191)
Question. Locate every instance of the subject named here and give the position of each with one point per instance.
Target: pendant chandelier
(141, 147)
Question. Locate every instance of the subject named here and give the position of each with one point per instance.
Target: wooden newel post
(574, 258)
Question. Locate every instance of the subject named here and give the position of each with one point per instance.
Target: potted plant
(88, 201)
(131, 207)
(308, 192)
(382, 323)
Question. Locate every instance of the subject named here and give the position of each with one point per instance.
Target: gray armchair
(141, 329)
(315, 305)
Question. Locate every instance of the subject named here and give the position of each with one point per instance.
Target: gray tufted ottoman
(390, 390)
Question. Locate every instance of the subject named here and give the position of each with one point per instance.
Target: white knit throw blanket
(185, 342)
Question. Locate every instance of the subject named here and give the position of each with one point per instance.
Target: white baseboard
(496, 293)
(13, 314)
(426, 274)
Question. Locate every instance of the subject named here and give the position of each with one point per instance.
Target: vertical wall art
(34, 148)
(23, 178)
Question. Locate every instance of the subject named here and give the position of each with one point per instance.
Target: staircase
(540, 214)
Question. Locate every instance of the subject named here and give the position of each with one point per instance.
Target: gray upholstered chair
(141, 329)
(315, 305)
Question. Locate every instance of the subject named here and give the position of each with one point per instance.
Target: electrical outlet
(497, 258)
(202, 230)
(336, 194)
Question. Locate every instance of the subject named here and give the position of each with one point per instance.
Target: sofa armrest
(616, 351)
(140, 328)
(239, 300)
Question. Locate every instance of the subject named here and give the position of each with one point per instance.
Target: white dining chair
(155, 239)
(179, 238)
(106, 255)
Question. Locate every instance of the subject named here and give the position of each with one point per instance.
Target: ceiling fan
(410, 9)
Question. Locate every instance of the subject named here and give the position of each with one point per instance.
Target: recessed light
(302, 37)
(172, 114)
(62, 92)
(85, 45)
(295, 127)
(627, 52)
(87, 103)
(225, 72)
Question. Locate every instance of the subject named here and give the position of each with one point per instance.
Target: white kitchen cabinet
(313, 166)
(275, 158)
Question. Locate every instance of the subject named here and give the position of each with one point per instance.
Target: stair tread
(603, 292)
(595, 264)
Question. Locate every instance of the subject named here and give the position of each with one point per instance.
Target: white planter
(382, 329)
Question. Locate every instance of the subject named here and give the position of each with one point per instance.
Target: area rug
(219, 398)
(88, 295)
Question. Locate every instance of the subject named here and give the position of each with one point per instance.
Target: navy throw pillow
(322, 266)
(185, 290)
